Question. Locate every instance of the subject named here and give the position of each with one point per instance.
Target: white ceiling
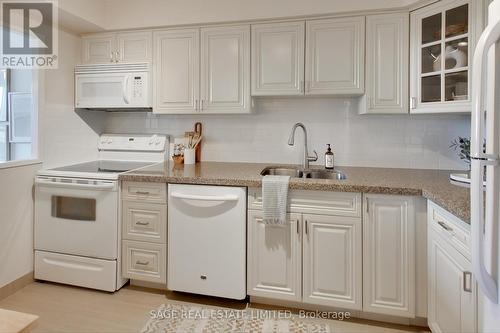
(97, 15)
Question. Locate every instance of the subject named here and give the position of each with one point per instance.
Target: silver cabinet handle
(467, 277)
(413, 103)
(141, 223)
(298, 225)
(196, 105)
(111, 57)
(307, 227)
(142, 192)
(202, 104)
(445, 226)
(142, 263)
(117, 56)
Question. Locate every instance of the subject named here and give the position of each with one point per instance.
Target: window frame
(6, 122)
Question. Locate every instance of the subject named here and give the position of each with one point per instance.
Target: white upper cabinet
(332, 261)
(442, 45)
(335, 56)
(274, 258)
(278, 59)
(98, 48)
(387, 52)
(176, 71)
(134, 46)
(225, 69)
(389, 255)
(211, 78)
(117, 47)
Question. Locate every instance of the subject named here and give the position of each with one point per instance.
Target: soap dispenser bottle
(329, 158)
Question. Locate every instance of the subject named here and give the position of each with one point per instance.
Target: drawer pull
(445, 226)
(467, 277)
(203, 277)
(141, 223)
(297, 225)
(307, 228)
(142, 193)
(142, 263)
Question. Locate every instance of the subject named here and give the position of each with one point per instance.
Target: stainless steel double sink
(307, 174)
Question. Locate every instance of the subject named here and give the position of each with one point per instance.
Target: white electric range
(77, 212)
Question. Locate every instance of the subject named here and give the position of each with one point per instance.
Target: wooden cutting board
(16, 322)
(198, 128)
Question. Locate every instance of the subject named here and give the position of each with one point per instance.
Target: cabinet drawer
(144, 261)
(314, 202)
(144, 221)
(148, 192)
(450, 227)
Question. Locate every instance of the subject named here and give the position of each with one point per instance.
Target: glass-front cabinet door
(443, 38)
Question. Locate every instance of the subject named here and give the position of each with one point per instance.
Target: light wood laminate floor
(69, 309)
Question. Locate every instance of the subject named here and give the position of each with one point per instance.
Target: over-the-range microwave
(117, 86)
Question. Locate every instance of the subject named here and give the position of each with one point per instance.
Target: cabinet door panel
(98, 49)
(387, 63)
(332, 261)
(451, 309)
(278, 59)
(443, 39)
(225, 69)
(176, 84)
(389, 255)
(335, 54)
(274, 258)
(134, 46)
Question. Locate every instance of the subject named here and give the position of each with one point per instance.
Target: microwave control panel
(138, 86)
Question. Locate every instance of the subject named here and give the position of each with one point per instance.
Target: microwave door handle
(125, 89)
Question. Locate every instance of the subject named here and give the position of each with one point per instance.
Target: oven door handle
(98, 186)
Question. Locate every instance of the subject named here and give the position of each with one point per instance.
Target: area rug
(184, 318)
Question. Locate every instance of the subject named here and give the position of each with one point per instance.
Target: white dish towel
(274, 199)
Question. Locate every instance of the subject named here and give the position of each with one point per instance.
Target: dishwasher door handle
(204, 197)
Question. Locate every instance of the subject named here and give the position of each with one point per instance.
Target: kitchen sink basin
(308, 174)
(324, 174)
(281, 171)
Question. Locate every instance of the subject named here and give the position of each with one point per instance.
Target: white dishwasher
(207, 240)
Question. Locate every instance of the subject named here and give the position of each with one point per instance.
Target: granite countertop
(431, 184)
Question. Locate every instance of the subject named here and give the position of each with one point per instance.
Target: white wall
(125, 14)
(67, 137)
(360, 140)
(16, 222)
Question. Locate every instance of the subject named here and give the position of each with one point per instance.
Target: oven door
(77, 216)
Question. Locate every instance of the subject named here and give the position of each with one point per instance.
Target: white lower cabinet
(144, 231)
(332, 261)
(315, 258)
(452, 299)
(274, 258)
(389, 255)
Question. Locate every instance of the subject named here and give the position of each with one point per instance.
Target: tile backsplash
(399, 141)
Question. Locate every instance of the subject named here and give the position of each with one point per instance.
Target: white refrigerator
(485, 150)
